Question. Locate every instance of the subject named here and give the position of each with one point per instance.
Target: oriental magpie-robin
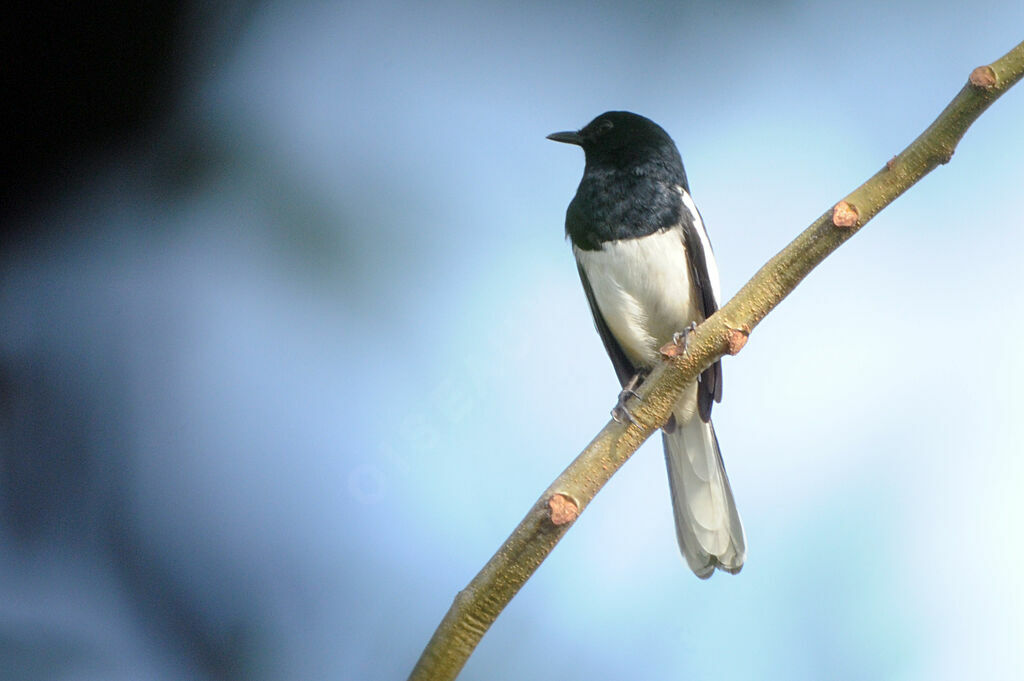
(648, 271)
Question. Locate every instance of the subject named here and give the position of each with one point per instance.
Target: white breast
(643, 290)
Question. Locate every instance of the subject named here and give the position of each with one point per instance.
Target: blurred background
(290, 339)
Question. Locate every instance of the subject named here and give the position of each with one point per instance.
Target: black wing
(624, 369)
(710, 390)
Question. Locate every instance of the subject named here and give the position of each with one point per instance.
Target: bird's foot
(620, 412)
(680, 342)
(683, 337)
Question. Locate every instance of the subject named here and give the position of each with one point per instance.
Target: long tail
(707, 524)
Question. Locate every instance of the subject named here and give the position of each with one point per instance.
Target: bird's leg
(620, 412)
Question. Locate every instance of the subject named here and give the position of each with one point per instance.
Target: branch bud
(983, 77)
(563, 509)
(735, 339)
(845, 215)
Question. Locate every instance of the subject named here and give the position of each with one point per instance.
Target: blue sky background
(326, 344)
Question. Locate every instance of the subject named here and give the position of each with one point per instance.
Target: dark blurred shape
(78, 77)
(84, 84)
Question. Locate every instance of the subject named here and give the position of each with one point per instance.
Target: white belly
(643, 290)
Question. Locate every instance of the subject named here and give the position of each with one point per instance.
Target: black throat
(626, 198)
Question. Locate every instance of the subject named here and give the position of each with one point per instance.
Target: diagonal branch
(479, 604)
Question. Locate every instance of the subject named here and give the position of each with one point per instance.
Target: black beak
(568, 137)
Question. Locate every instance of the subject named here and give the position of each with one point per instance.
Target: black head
(622, 139)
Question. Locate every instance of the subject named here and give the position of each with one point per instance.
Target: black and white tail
(707, 524)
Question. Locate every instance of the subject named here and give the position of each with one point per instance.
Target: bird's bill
(568, 137)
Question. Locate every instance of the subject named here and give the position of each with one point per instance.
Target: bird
(650, 275)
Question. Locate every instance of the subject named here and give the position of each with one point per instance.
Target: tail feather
(707, 524)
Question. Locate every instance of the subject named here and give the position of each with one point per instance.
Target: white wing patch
(709, 256)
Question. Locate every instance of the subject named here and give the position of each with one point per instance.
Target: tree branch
(479, 604)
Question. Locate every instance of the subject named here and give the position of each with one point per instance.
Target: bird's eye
(604, 126)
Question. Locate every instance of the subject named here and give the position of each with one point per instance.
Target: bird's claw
(620, 412)
(682, 338)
